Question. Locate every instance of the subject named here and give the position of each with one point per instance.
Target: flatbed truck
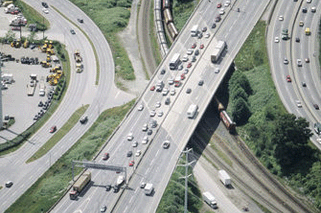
(80, 184)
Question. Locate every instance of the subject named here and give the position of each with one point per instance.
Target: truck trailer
(224, 177)
(217, 52)
(191, 111)
(149, 188)
(210, 199)
(79, 185)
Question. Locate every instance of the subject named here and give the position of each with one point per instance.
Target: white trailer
(191, 111)
(224, 177)
(194, 30)
(217, 52)
(7, 78)
(149, 188)
(210, 199)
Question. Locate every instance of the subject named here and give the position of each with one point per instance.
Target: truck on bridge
(79, 185)
(217, 52)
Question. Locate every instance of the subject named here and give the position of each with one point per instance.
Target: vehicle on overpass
(173, 64)
(192, 110)
(217, 52)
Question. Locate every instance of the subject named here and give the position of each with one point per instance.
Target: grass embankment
(32, 15)
(59, 134)
(17, 142)
(52, 185)
(173, 197)
(112, 17)
(182, 11)
(265, 108)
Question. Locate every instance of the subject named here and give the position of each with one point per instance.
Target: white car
(227, 3)
(281, 18)
(165, 91)
(130, 136)
(222, 11)
(170, 81)
(140, 107)
(185, 58)
(138, 153)
(160, 114)
(309, 1)
(189, 52)
(152, 113)
(298, 103)
(135, 144)
(313, 9)
(145, 127)
(45, 10)
(276, 40)
(299, 62)
(207, 35)
(145, 140)
(217, 70)
(173, 92)
(158, 103)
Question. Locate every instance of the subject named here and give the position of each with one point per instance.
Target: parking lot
(15, 101)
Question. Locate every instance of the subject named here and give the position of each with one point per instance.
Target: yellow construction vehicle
(45, 64)
(55, 69)
(26, 44)
(48, 59)
(13, 43)
(50, 45)
(50, 51)
(307, 31)
(18, 43)
(44, 47)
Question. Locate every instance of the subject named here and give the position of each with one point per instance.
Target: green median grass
(48, 189)
(59, 134)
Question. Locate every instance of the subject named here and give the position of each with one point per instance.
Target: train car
(162, 38)
(166, 4)
(229, 124)
(158, 5)
(159, 26)
(168, 16)
(158, 15)
(172, 30)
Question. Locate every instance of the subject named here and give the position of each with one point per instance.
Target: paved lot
(15, 100)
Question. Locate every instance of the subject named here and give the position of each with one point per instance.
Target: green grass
(182, 11)
(59, 134)
(54, 182)
(32, 15)
(112, 17)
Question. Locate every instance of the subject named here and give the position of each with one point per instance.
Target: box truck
(224, 177)
(210, 199)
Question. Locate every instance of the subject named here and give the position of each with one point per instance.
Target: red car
(53, 129)
(202, 46)
(183, 76)
(194, 45)
(189, 65)
(219, 5)
(131, 163)
(288, 78)
(152, 88)
(177, 84)
(106, 156)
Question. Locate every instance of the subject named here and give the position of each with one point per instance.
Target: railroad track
(252, 159)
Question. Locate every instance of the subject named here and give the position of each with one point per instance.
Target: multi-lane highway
(82, 90)
(298, 46)
(157, 163)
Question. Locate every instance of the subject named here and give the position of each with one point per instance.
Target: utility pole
(186, 165)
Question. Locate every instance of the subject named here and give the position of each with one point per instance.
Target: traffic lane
(155, 160)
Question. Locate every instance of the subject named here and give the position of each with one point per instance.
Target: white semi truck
(210, 199)
(224, 177)
(217, 52)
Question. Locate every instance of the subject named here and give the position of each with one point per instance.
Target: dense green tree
(238, 79)
(290, 137)
(240, 111)
(239, 93)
